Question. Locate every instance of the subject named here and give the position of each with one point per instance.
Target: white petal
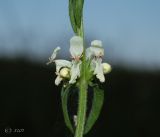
(97, 51)
(76, 46)
(58, 80)
(88, 53)
(62, 63)
(96, 43)
(99, 70)
(96, 48)
(75, 71)
(53, 56)
(93, 64)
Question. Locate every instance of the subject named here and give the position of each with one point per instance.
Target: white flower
(96, 48)
(76, 50)
(98, 71)
(75, 71)
(76, 47)
(64, 67)
(60, 64)
(53, 56)
(95, 53)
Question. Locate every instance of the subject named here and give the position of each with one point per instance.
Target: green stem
(83, 85)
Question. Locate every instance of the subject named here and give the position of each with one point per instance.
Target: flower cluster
(70, 70)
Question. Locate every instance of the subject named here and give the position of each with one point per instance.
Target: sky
(129, 29)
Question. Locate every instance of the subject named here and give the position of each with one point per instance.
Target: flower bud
(65, 72)
(106, 68)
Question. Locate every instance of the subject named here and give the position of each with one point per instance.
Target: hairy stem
(82, 104)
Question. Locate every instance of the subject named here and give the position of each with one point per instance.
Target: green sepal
(64, 99)
(97, 103)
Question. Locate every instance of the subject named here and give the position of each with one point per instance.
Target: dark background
(29, 100)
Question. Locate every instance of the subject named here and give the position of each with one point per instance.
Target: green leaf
(75, 13)
(97, 103)
(72, 16)
(78, 12)
(64, 99)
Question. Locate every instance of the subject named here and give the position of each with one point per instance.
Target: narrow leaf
(97, 103)
(78, 12)
(72, 16)
(64, 99)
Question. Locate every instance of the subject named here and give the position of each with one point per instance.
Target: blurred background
(30, 103)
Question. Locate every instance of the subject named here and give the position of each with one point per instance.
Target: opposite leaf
(97, 103)
(64, 99)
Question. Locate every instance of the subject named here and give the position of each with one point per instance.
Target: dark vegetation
(29, 100)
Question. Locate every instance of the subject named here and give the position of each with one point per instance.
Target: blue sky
(129, 29)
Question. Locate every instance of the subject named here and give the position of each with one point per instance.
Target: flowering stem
(83, 85)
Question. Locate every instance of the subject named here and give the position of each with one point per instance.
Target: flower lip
(58, 80)
(98, 71)
(60, 63)
(75, 71)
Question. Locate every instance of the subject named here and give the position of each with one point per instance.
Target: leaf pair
(97, 102)
(76, 13)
